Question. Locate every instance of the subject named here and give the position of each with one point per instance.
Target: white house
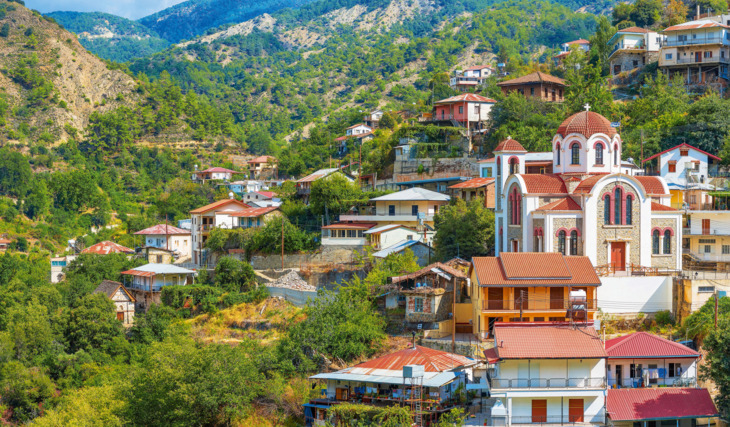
(58, 267)
(642, 359)
(698, 51)
(633, 48)
(260, 196)
(145, 283)
(373, 118)
(168, 237)
(244, 187)
(346, 234)
(548, 372)
(358, 129)
(471, 77)
(122, 298)
(406, 207)
(586, 206)
(385, 236)
(206, 218)
(216, 173)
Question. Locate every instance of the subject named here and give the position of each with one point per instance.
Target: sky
(133, 9)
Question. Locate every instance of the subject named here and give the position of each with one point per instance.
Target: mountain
(51, 85)
(110, 36)
(194, 17)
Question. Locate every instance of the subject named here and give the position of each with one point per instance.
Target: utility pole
(282, 243)
(453, 318)
(359, 170)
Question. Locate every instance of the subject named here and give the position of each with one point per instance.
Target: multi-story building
(470, 78)
(548, 373)
(214, 174)
(532, 287)
(145, 282)
(206, 218)
(468, 110)
(586, 206)
(580, 45)
(108, 247)
(254, 217)
(263, 167)
(372, 120)
(536, 85)
(168, 237)
(698, 51)
(633, 48)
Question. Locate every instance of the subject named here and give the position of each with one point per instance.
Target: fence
(528, 304)
(540, 383)
(297, 298)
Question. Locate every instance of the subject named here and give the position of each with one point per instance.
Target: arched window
(615, 155)
(629, 203)
(607, 209)
(557, 154)
(561, 242)
(599, 154)
(574, 242)
(515, 208)
(617, 203)
(575, 154)
(667, 242)
(514, 166)
(655, 242)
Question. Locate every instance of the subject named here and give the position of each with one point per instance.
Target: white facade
(685, 166)
(659, 372)
(124, 307)
(246, 187)
(58, 267)
(207, 218)
(180, 243)
(387, 236)
(637, 294)
(358, 130)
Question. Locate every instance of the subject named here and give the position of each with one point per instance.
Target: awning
(139, 273)
(437, 380)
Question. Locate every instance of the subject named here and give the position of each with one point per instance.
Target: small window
(617, 205)
(414, 210)
(532, 91)
(668, 56)
(667, 242)
(575, 154)
(708, 54)
(726, 249)
(708, 249)
(599, 155)
(672, 166)
(629, 202)
(391, 210)
(574, 242)
(159, 259)
(557, 154)
(684, 152)
(706, 289)
(655, 242)
(561, 242)
(461, 109)
(607, 209)
(418, 305)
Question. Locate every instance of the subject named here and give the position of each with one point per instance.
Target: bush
(664, 318)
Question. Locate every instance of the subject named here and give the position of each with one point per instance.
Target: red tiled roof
(487, 160)
(659, 207)
(547, 340)
(544, 183)
(491, 355)
(466, 97)
(218, 204)
(341, 138)
(636, 404)
(634, 30)
(683, 145)
(254, 212)
(564, 204)
(586, 186)
(474, 183)
(269, 194)
(138, 273)
(5, 241)
(263, 159)
(161, 229)
(432, 360)
(586, 123)
(428, 269)
(216, 169)
(351, 225)
(536, 77)
(646, 345)
(579, 41)
(510, 144)
(652, 184)
(534, 269)
(106, 247)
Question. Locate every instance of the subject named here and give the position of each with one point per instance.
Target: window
(635, 370)
(514, 166)
(461, 109)
(706, 289)
(672, 166)
(477, 110)
(668, 56)
(684, 152)
(557, 154)
(414, 210)
(708, 54)
(607, 209)
(667, 242)
(532, 91)
(599, 154)
(487, 173)
(575, 154)
(655, 242)
(629, 203)
(391, 210)
(574, 242)
(561, 242)
(710, 241)
(617, 203)
(725, 249)
(615, 155)
(708, 249)
(418, 305)
(159, 259)
(674, 370)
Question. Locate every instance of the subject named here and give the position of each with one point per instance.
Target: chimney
(698, 11)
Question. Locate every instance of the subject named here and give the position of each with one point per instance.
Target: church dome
(586, 123)
(510, 145)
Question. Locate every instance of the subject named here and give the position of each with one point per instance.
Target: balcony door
(557, 298)
(539, 411)
(705, 227)
(575, 410)
(698, 56)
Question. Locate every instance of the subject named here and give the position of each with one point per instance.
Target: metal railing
(560, 419)
(531, 383)
(694, 60)
(534, 304)
(693, 41)
(635, 270)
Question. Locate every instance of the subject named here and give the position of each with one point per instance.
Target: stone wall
(567, 223)
(626, 61)
(325, 256)
(435, 307)
(616, 233)
(664, 261)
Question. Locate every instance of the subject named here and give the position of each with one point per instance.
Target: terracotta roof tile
(586, 123)
(218, 204)
(536, 77)
(579, 41)
(535, 269)
(564, 204)
(646, 345)
(510, 144)
(683, 145)
(634, 30)
(254, 212)
(586, 186)
(161, 229)
(474, 183)
(466, 97)
(636, 404)
(432, 360)
(544, 184)
(652, 184)
(263, 159)
(547, 341)
(269, 194)
(106, 247)
(659, 207)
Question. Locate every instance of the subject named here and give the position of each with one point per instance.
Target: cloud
(132, 9)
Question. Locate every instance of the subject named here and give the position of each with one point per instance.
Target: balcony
(694, 60)
(694, 41)
(706, 232)
(559, 420)
(382, 218)
(533, 305)
(547, 383)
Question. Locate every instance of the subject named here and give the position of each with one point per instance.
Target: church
(587, 206)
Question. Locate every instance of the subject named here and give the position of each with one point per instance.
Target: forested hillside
(111, 37)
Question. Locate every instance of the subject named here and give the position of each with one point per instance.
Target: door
(557, 298)
(619, 375)
(698, 56)
(575, 410)
(705, 227)
(120, 316)
(495, 297)
(341, 393)
(539, 411)
(515, 246)
(618, 256)
(523, 374)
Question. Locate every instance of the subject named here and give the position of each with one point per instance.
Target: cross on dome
(587, 107)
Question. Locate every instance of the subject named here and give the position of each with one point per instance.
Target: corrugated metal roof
(317, 175)
(432, 360)
(535, 270)
(474, 183)
(153, 269)
(646, 345)
(218, 204)
(428, 270)
(547, 341)
(693, 25)
(429, 379)
(637, 404)
(634, 30)
(162, 229)
(398, 247)
(388, 227)
(415, 194)
(106, 247)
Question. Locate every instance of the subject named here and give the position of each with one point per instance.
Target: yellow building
(531, 287)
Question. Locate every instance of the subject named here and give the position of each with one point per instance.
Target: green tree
(15, 173)
(334, 195)
(646, 12)
(600, 49)
(153, 325)
(29, 329)
(98, 406)
(38, 202)
(24, 390)
(92, 324)
(234, 275)
(717, 363)
(85, 273)
(586, 85)
(464, 229)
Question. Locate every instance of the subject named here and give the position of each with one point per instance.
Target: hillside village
(516, 241)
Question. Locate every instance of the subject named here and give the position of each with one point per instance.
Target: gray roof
(107, 287)
(163, 269)
(413, 194)
(398, 247)
(382, 228)
(430, 379)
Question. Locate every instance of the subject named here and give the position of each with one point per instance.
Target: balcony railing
(534, 305)
(694, 60)
(694, 41)
(541, 383)
(561, 420)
